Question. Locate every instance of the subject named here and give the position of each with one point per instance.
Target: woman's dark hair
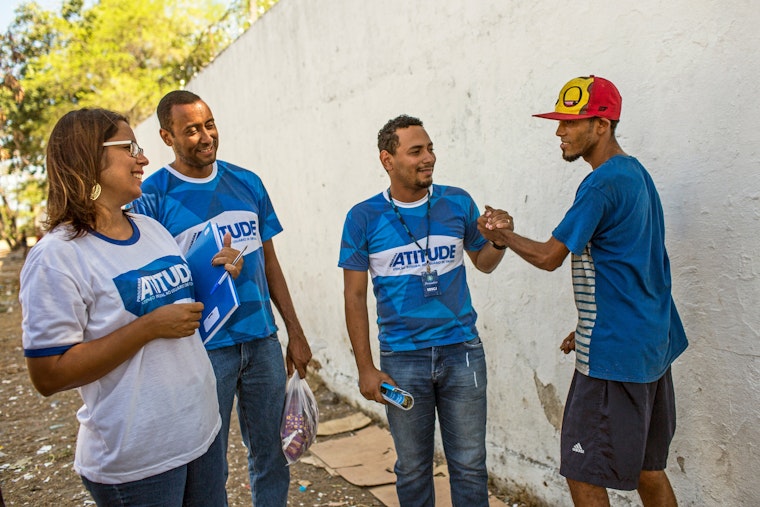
(74, 161)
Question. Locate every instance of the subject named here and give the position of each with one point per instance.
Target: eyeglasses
(134, 148)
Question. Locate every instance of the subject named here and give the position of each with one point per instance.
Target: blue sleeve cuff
(51, 351)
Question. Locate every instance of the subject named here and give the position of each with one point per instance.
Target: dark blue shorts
(611, 431)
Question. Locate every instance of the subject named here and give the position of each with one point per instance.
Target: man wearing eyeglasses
(245, 353)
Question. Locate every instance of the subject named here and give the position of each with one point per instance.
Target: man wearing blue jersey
(620, 413)
(245, 353)
(412, 238)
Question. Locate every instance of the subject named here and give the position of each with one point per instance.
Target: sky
(6, 13)
(7, 8)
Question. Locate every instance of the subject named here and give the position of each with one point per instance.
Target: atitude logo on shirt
(160, 282)
(246, 229)
(163, 282)
(416, 257)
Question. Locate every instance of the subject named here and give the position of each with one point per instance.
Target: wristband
(497, 247)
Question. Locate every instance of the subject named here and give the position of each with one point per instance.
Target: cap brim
(563, 116)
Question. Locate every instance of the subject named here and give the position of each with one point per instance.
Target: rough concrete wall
(299, 99)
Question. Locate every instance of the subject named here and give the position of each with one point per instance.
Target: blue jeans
(255, 372)
(452, 380)
(200, 483)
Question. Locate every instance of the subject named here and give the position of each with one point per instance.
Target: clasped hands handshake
(493, 224)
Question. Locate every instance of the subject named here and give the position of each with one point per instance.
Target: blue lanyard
(406, 227)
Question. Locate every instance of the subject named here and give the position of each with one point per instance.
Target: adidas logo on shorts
(577, 448)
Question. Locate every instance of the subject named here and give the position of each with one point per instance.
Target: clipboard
(219, 305)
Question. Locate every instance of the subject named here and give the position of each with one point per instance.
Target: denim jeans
(255, 372)
(452, 380)
(200, 483)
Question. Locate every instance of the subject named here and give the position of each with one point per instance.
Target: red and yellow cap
(586, 97)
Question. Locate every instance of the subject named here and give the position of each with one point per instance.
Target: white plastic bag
(300, 418)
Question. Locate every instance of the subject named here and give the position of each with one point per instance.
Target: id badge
(430, 285)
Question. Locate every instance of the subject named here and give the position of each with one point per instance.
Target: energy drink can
(396, 396)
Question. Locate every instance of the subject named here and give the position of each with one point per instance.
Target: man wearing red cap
(620, 412)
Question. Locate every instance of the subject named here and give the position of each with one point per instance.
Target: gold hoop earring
(95, 192)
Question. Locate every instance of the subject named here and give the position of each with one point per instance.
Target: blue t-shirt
(237, 201)
(375, 239)
(628, 327)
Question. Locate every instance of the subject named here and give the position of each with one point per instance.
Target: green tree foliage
(117, 54)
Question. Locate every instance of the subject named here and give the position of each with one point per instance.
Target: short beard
(573, 158)
(195, 163)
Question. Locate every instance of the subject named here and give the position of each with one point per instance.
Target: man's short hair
(387, 139)
(171, 99)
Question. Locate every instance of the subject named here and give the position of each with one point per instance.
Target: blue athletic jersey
(374, 239)
(628, 327)
(237, 201)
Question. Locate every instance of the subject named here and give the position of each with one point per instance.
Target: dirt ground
(38, 434)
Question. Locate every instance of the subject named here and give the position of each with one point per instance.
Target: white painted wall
(300, 97)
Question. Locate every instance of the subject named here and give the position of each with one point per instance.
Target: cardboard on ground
(366, 459)
(349, 423)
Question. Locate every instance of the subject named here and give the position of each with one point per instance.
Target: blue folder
(222, 303)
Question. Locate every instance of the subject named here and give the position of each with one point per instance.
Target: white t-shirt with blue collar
(156, 411)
